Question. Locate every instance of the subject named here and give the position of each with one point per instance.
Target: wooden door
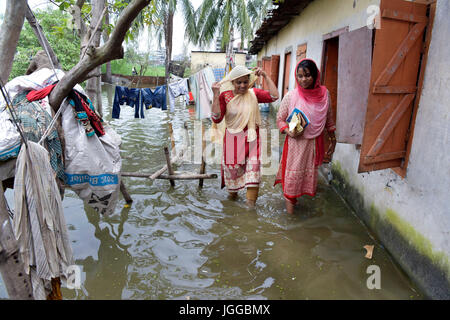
(287, 68)
(330, 79)
(395, 69)
(275, 68)
(266, 64)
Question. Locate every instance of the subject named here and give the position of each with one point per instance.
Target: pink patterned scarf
(314, 103)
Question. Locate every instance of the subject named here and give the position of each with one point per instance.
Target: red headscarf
(314, 103)
(318, 94)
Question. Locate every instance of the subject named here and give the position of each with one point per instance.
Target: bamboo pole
(17, 282)
(125, 193)
(169, 165)
(203, 164)
(172, 140)
(163, 169)
(175, 176)
(188, 176)
(188, 142)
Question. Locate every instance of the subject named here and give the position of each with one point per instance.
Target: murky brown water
(191, 243)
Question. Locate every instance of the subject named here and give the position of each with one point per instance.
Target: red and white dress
(241, 168)
(301, 157)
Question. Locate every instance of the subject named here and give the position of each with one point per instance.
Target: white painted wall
(199, 59)
(319, 18)
(422, 199)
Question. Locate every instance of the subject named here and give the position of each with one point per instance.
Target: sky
(178, 35)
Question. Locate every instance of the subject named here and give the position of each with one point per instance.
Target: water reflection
(107, 275)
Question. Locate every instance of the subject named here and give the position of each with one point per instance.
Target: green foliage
(63, 40)
(220, 17)
(125, 67)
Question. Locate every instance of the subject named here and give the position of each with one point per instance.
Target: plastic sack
(9, 137)
(92, 164)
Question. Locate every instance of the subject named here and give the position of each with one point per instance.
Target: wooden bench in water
(173, 175)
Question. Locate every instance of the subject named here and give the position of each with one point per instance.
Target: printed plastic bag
(92, 164)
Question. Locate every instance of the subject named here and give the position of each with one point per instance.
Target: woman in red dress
(236, 102)
(303, 151)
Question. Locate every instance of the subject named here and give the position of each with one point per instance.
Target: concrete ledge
(426, 273)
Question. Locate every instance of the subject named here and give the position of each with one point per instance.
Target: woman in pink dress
(236, 103)
(303, 151)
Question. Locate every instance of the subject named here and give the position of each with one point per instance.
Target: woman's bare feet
(232, 195)
(290, 207)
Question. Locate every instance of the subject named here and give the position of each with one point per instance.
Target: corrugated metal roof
(276, 20)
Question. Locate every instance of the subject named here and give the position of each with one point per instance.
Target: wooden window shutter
(355, 62)
(393, 86)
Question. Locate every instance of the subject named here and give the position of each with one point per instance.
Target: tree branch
(111, 50)
(9, 35)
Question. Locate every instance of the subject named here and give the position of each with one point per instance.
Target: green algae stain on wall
(373, 217)
(422, 245)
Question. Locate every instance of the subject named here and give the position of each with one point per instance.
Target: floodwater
(183, 242)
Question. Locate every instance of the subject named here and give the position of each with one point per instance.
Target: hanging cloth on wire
(177, 89)
(84, 109)
(86, 113)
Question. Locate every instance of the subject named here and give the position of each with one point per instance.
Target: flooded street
(191, 243)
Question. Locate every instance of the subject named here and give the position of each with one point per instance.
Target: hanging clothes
(201, 83)
(193, 86)
(205, 97)
(159, 98)
(177, 89)
(138, 106)
(130, 97)
(39, 224)
(34, 121)
(84, 109)
(86, 113)
(147, 98)
(209, 76)
(219, 73)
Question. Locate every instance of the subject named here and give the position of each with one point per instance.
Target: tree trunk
(37, 29)
(17, 282)
(93, 87)
(108, 75)
(9, 35)
(95, 57)
(168, 31)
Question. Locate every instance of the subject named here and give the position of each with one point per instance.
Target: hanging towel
(205, 96)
